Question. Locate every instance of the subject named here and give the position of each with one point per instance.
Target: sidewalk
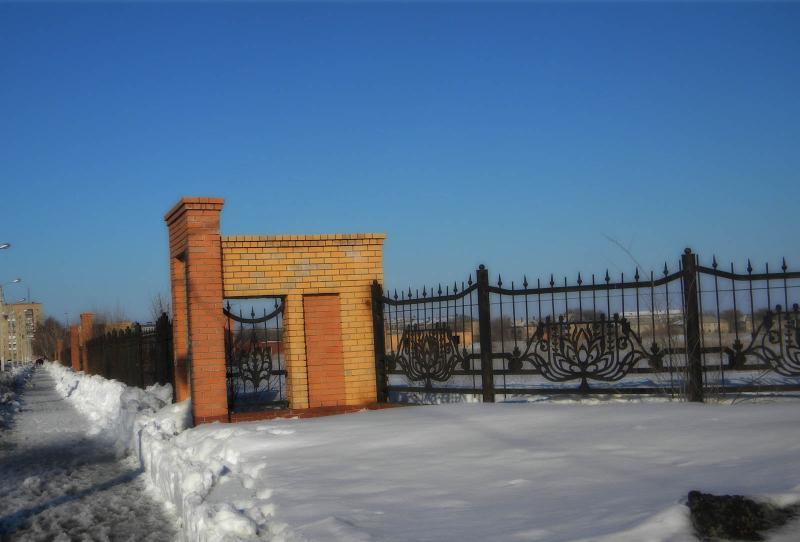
(57, 483)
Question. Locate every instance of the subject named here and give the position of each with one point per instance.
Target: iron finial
(499, 282)
(580, 280)
(524, 281)
(783, 267)
(714, 261)
(749, 266)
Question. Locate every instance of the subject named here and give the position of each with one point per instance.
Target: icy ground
(59, 483)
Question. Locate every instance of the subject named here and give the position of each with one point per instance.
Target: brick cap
(306, 237)
(193, 203)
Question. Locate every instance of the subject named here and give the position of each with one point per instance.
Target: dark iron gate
(254, 357)
(688, 333)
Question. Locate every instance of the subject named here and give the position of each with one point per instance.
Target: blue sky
(520, 135)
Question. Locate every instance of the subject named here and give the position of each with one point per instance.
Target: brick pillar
(58, 355)
(75, 348)
(87, 319)
(199, 325)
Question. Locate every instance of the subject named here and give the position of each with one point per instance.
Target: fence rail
(679, 333)
(138, 356)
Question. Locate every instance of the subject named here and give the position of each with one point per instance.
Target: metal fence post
(694, 358)
(485, 330)
(381, 386)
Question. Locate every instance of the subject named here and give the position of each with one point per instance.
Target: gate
(254, 356)
(688, 333)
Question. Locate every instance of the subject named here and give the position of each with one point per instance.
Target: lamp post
(4, 246)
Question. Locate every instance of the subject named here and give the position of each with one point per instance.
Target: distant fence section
(138, 356)
(688, 332)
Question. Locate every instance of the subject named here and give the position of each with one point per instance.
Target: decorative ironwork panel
(428, 354)
(776, 343)
(604, 350)
(254, 358)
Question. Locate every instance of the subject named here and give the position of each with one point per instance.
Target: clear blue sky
(516, 135)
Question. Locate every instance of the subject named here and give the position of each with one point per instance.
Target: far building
(18, 325)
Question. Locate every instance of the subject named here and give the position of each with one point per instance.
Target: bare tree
(159, 304)
(44, 341)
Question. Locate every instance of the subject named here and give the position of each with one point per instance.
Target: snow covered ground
(594, 470)
(613, 472)
(61, 477)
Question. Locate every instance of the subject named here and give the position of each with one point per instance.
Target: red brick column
(86, 334)
(199, 325)
(75, 348)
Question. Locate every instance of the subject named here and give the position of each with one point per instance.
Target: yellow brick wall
(298, 265)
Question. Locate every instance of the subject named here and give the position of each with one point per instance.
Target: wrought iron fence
(136, 356)
(688, 332)
(254, 360)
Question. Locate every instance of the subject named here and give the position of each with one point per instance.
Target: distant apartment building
(18, 325)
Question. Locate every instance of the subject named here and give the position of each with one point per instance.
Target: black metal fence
(689, 332)
(254, 360)
(137, 356)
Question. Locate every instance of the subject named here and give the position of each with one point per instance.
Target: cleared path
(57, 483)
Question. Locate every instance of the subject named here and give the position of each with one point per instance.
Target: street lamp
(4, 246)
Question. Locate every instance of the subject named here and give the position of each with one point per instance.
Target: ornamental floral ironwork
(252, 364)
(604, 350)
(776, 342)
(427, 354)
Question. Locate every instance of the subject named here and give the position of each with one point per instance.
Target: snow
(12, 379)
(506, 472)
(61, 479)
(572, 470)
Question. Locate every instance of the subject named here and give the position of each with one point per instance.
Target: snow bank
(11, 380)
(182, 470)
(113, 408)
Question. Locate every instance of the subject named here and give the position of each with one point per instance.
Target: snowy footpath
(60, 480)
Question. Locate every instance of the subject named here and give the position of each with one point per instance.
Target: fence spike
(424, 291)
(395, 294)
(552, 282)
(440, 289)
(608, 278)
(666, 271)
(455, 287)
(636, 276)
(470, 279)
(783, 267)
(749, 267)
(580, 280)
(524, 281)
(499, 282)
(714, 261)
